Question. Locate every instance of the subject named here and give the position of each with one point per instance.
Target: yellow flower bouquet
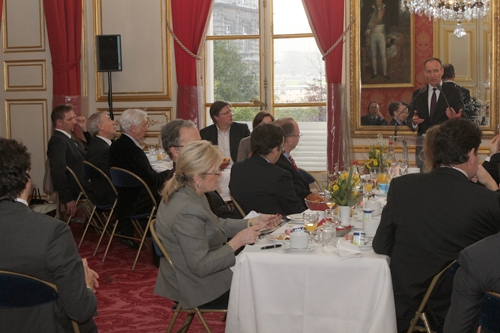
(343, 188)
(376, 157)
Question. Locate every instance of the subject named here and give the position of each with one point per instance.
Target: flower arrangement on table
(376, 157)
(343, 188)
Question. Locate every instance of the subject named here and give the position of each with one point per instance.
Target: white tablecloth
(274, 291)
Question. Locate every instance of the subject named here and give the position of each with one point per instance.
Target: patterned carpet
(126, 299)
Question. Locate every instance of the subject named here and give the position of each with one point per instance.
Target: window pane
(234, 76)
(245, 114)
(289, 17)
(303, 114)
(230, 17)
(299, 71)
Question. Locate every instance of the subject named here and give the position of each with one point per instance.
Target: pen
(270, 247)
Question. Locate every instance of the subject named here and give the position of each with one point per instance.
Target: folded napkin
(160, 166)
(347, 250)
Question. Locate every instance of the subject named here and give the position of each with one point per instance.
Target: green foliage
(234, 79)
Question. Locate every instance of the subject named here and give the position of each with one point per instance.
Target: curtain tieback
(182, 45)
(61, 68)
(339, 39)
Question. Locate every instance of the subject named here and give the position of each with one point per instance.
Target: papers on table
(346, 250)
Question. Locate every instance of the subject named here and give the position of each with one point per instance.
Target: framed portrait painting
(386, 44)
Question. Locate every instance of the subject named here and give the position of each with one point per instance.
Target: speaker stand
(110, 97)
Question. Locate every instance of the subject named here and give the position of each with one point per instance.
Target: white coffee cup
(298, 240)
(370, 227)
(375, 205)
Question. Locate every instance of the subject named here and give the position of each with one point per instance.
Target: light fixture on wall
(449, 10)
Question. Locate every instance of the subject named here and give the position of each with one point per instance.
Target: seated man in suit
(449, 78)
(40, 246)
(399, 113)
(374, 117)
(224, 132)
(492, 161)
(292, 137)
(64, 151)
(174, 136)
(430, 217)
(126, 153)
(103, 130)
(478, 273)
(257, 183)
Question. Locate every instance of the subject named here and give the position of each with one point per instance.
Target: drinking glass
(331, 217)
(328, 238)
(311, 223)
(367, 186)
(161, 154)
(403, 167)
(152, 150)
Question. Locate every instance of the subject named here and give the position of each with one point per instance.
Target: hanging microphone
(396, 126)
(439, 87)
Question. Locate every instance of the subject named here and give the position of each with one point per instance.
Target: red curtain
(189, 22)
(326, 19)
(64, 28)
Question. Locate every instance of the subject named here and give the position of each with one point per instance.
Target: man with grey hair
(102, 128)
(176, 134)
(292, 137)
(126, 153)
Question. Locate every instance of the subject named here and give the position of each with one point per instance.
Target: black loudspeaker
(109, 53)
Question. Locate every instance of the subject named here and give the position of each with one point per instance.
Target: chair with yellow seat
(178, 308)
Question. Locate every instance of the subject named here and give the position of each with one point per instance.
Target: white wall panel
(24, 26)
(142, 26)
(26, 121)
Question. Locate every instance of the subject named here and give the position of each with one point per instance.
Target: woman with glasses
(196, 239)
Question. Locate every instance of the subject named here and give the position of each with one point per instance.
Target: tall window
(278, 69)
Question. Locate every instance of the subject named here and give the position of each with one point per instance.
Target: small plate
(311, 248)
(365, 247)
(295, 218)
(268, 231)
(379, 193)
(274, 238)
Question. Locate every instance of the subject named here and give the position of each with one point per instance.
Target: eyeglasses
(217, 173)
(299, 135)
(226, 113)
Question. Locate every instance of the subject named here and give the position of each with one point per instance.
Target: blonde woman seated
(195, 238)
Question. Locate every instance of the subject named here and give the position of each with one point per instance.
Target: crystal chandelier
(449, 10)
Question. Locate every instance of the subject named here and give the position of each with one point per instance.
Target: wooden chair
(489, 317)
(103, 212)
(420, 314)
(21, 291)
(238, 207)
(178, 308)
(127, 179)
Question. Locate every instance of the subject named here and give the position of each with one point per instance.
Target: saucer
(295, 218)
(311, 248)
(274, 238)
(365, 247)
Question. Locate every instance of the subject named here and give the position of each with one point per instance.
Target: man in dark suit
(430, 106)
(492, 161)
(63, 151)
(449, 78)
(126, 153)
(37, 245)
(478, 273)
(224, 132)
(374, 117)
(430, 103)
(286, 161)
(103, 130)
(257, 183)
(399, 113)
(429, 218)
(174, 136)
